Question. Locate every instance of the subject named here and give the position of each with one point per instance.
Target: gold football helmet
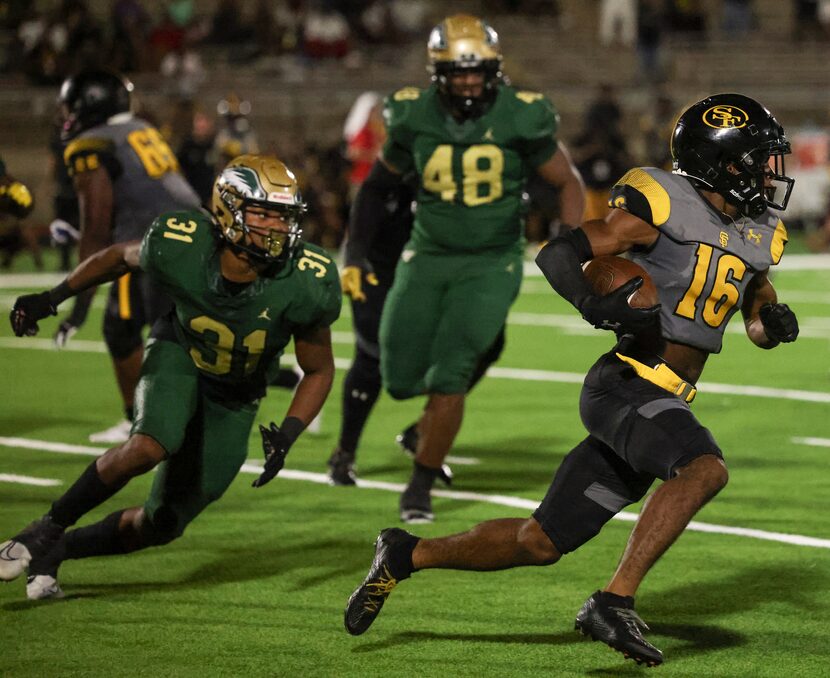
(265, 182)
(465, 43)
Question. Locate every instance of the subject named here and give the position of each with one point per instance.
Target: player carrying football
(707, 234)
(243, 285)
(473, 140)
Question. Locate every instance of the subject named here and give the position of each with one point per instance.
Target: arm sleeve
(561, 263)
(368, 212)
(540, 123)
(397, 115)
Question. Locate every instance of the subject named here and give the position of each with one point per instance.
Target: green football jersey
(472, 173)
(234, 338)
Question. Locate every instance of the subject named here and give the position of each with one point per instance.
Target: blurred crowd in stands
(172, 36)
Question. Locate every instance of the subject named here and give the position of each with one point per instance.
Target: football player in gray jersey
(125, 175)
(707, 234)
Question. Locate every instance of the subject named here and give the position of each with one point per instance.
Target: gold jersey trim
(657, 196)
(779, 239)
(85, 145)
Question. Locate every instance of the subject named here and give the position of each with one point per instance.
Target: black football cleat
(36, 540)
(612, 620)
(341, 468)
(368, 598)
(416, 504)
(408, 441)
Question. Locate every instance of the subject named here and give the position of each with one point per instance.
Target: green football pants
(206, 441)
(442, 313)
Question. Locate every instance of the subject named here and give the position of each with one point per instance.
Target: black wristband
(61, 293)
(291, 428)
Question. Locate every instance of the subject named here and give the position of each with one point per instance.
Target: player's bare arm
(95, 204)
(314, 356)
(104, 266)
(767, 322)
(560, 171)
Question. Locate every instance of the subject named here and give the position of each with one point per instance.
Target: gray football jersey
(700, 265)
(145, 174)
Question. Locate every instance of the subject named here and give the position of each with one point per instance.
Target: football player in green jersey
(473, 140)
(707, 234)
(243, 284)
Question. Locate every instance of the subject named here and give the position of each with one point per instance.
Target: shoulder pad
(171, 234)
(407, 94)
(321, 282)
(528, 97)
(536, 115)
(88, 153)
(641, 194)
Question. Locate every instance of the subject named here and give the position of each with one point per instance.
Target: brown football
(608, 272)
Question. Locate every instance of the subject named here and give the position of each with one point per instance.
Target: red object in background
(362, 150)
(810, 149)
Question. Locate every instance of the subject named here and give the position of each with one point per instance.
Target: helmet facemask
(264, 183)
(462, 106)
(460, 44)
(757, 180)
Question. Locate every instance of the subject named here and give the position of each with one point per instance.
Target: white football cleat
(114, 434)
(14, 559)
(43, 586)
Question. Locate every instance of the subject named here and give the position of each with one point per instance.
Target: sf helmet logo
(725, 116)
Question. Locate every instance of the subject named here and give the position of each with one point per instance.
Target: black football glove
(612, 311)
(275, 445)
(27, 310)
(780, 323)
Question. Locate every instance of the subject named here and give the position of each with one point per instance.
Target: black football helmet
(465, 43)
(732, 145)
(90, 98)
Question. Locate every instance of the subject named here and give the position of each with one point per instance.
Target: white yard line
(493, 372)
(28, 480)
(814, 442)
(497, 499)
(462, 461)
(791, 262)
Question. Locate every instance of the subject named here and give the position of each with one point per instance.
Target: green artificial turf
(258, 583)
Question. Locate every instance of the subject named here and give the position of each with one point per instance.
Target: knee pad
(161, 527)
(364, 374)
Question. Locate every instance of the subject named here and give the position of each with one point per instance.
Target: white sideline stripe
(462, 461)
(47, 446)
(497, 499)
(495, 372)
(791, 262)
(815, 442)
(7, 300)
(28, 480)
